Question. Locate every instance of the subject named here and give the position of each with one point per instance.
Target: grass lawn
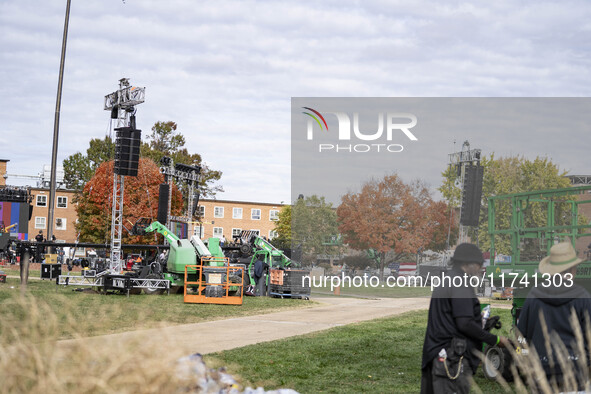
(96, 314)
(382, 355)
(15, 270)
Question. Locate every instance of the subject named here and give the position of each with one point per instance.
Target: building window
(274, 214)
(39, 222)
(198, 231)
(256, 232)
(41, 201)
(60, 223)
(273, 234)
(62, 202)
(255, 214)
(218, 232)
(236, 232)
(237, 213)
(201, 211)
(218, 212)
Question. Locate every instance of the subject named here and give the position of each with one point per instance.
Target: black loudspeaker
(127, 151)
(163, 194)
(471, 195)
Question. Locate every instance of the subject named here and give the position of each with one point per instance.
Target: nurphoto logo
(396, 126)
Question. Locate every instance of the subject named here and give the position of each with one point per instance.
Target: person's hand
(504, 342)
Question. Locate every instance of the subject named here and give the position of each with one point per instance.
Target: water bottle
(485, 315)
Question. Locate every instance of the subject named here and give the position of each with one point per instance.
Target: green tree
(314, 222)
(507, 175)
(166, 141)
(283, 227)
(79, 168)
(449, 189)
(283, 224)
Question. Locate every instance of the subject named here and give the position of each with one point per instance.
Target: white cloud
(225, 71)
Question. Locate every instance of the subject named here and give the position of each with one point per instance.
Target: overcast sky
(225, 71)
(330, 165)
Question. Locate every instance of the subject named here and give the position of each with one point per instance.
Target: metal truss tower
(182, 173)
(122, 104)
(460, 160)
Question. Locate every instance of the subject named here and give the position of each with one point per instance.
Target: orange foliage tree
(391, 216)
(140, 199)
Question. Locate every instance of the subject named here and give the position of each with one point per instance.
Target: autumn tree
(392, 216)
(166, 141)
(507, 175)
(140, 200)
(163, 141)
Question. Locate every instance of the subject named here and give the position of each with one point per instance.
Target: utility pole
(56, 126)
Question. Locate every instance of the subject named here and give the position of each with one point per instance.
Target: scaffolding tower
(122, 104)
(460, 160)
(183, 173)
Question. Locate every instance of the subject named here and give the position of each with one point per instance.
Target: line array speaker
(127, 151)
(471, 195)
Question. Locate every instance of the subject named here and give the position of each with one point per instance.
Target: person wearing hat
(555, 299)
(454, 327)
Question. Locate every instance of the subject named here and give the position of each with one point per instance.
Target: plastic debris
(202, 379)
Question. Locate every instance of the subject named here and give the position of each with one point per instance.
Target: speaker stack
(127, 151)
(163, 194)
(471, 195)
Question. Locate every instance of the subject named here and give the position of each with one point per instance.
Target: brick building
(220, 217)
(224, 218)
(64, 214)
(3, 164)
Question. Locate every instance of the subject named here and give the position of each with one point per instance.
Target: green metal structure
(559, 208)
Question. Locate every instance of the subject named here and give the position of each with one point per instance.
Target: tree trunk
(382, 258)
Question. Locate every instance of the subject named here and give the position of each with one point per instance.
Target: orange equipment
(211, 282)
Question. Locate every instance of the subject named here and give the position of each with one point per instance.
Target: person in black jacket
(260, 267)
(40, 249)
(454, 328)
(555, 300)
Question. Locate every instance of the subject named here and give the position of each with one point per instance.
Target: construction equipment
(184, 253)
(283, 279)
(6, 240)
(215, 282)
(7, 228)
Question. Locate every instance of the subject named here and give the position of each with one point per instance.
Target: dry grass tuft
(528, 372)
(32, 360)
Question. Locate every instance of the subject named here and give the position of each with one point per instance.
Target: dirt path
(214, 336)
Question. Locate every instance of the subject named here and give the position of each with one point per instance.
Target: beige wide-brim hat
(562, 257)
